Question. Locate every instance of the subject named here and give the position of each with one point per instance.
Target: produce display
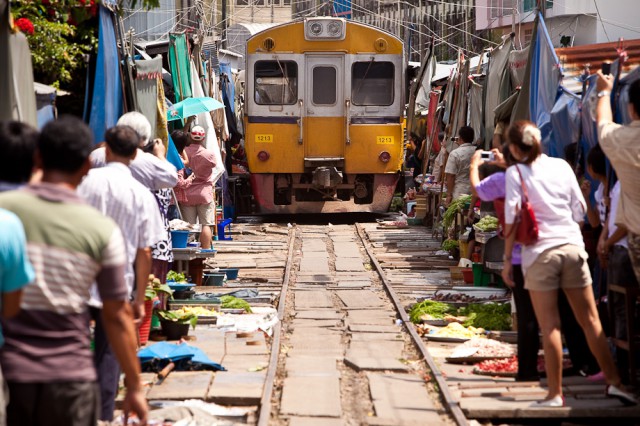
(506, 366)
(178, 277)
(487, 224)
(230, 302)
(449, 245)
(455, 206)
(461, 297)
(492, 316)
(179, 316)
(489, 316)
(199, 311)
(435, 310)
(456, 330)
(483, 348)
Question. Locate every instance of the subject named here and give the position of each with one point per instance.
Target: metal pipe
(301, 137)
(348, 120)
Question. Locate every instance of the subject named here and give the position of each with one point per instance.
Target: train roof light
(325, 28)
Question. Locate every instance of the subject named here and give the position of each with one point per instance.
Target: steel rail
(265, 401)
(451, 403)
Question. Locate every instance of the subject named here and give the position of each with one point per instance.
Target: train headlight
(315, 28)
(263, 156)
(384, 156)
(334, 28)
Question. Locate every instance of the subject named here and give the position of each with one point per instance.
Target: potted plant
(154, 289)
(175, 324)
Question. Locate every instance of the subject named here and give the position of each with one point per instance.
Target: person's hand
(138, 312)
(158, 148)
(507, 274)
(605, 82)
(135, 403)
(498, 158)
(472, 214)
(476, 159)
(603, 252)
(585, 187)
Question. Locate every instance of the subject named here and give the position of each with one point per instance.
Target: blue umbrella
(192, 106)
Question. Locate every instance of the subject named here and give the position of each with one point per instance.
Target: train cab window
(372, 83)
(324, 85)
(276, 82)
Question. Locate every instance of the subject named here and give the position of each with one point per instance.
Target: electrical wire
(601, 22)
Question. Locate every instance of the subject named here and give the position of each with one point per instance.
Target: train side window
(372, 83)
(324, 85)
(276, 82)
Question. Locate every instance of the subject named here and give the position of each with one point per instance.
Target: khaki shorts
(202, 212)
(559, 267)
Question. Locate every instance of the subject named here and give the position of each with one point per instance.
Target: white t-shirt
(600, 206)
(614, 196)
(557, 202)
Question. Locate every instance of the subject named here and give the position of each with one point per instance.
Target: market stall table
(190, 259)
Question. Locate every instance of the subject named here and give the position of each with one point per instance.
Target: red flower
(83, 2)
(25, 25)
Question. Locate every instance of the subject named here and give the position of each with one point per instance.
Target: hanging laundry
(146, 83)
(180, 68)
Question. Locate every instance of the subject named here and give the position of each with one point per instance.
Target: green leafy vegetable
(180, 317)
(449, 245)
(429, 307)
(176, 276)
(230, 302)
(490, 316)
(487, 224)
(455, 206)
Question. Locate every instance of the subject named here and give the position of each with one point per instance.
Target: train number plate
(264, 138)
(384, 140)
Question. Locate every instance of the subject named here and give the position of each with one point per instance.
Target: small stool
(221, 230)
(631, 343)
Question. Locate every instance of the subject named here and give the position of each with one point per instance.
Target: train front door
(324, 109)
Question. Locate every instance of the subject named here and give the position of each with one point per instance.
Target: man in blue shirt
(15, 273)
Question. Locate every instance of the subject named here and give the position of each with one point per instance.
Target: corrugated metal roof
(573, 60)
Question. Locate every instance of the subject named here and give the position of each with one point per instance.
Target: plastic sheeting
(147, 74)
(19, 100)
(106, 105)
(228, 88)
(497, 67)
(565, 122)
(544, 83)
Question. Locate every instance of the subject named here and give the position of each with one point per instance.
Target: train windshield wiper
(285, 77)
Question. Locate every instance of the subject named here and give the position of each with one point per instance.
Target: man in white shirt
(457, 169)
(620, 143)
(146, 167)
(113, 190)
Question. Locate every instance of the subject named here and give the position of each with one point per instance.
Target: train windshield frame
(275, 82)
(372, 83)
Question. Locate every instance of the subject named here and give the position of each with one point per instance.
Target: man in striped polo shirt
(47, 357)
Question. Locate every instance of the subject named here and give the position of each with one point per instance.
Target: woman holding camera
(557, 260)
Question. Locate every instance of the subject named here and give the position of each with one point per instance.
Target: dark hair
(441, 136)
(571, 153)
(18, 141)
(516, 136)
(122, 140)
(597, 160)
(467, 134)
(180, 139)
(65, 144)
(508, 158)
(634, 95)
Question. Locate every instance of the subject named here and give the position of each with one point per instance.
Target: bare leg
(545, 305)
(205, 237)
(584, 307)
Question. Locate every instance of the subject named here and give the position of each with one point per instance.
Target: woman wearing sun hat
(199, 206)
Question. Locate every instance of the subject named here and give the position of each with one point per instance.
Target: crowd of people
(83, 226)
(551, 275)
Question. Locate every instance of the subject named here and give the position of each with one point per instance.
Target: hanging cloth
(180, 68)
(147, 74)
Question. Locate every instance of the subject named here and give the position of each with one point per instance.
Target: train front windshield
(276, 82)
(372, 83)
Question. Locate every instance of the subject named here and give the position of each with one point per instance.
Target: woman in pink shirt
(198, 204)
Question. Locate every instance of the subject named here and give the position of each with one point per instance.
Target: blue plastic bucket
(213, 279)
(232, 273)
(179, 239)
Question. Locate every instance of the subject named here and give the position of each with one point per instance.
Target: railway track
(336, 304)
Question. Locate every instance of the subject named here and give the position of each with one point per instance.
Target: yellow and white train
(324, 100)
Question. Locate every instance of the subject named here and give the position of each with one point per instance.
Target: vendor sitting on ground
(199, 205)
(457, 169)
